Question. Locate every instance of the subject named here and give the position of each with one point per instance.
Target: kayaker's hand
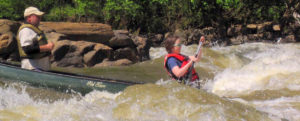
(202, 39)
(194, 59)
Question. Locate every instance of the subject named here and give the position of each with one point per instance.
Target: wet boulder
(128, 53)
(5, 43)
(287, 39)
(97, 55)
(71, 60)
(84, 47)
(234, 30)
(238, 40)
(156, 40)
(8, 42)
(92, 32)
(61, 48)
(65, 54)
(54, 36)
(121, 39)
(143, 47)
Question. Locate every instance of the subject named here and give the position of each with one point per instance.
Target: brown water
(250, 82)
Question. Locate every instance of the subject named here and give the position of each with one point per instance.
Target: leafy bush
(64, 13)
(121, 12)
(11, 9)
(157, 16)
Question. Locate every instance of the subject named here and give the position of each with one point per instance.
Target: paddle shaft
(192, 66)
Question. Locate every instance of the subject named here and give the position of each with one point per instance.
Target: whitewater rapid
(249, 82)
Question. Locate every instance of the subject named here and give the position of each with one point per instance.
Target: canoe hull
(62, 82)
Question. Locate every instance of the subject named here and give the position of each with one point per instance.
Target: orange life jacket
(184, 60)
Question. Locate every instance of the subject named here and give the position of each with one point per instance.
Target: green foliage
(121, 12)
(61, 13)
(5, 10)
(14, 9)
(86, 8)
(258, 11)
(228, 3)
(157, 16)
(9, 9)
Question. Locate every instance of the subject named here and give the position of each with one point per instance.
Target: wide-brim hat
(32, 10)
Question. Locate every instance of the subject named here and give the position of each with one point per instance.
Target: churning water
(249, 82)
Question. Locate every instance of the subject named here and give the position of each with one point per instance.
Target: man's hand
(47, 47)
(50, 45)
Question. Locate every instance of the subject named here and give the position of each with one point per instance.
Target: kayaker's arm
(179, 72)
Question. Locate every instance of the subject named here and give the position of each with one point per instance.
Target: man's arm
(47, 47)
(28, 41)
(30, 44)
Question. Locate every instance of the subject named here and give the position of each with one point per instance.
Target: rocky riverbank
(96, 44)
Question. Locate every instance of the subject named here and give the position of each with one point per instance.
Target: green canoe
(62, 81)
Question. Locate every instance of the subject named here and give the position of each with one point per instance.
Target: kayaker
(34, 48)
(177, 64)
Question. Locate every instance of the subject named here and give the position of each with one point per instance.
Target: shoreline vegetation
(131, 27)
(158, 16)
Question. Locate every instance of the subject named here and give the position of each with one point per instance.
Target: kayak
(62, 81)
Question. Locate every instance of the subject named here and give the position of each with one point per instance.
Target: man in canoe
(180, 67)
(34, 48)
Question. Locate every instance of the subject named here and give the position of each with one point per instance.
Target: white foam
(268, 69)
(157, 52)
(96, 105)
(283, 107)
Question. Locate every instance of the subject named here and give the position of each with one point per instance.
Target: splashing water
(250, 82)
(271, 68)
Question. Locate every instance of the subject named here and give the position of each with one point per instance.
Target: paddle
(196, 55)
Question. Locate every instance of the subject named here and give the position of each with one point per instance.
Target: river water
(249, 82)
